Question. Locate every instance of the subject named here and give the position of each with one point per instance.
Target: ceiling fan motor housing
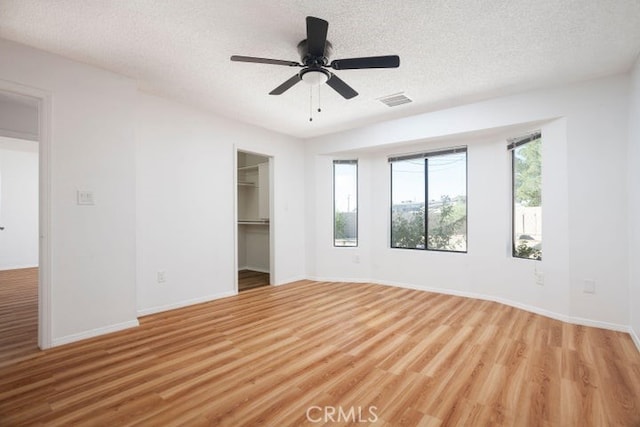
(309, 60)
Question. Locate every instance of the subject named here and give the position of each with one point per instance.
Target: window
(345, 203)
(407, 203)
(526, 160)
(440, 179)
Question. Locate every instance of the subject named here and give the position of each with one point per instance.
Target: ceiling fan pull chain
(310, 103)
(319, 109)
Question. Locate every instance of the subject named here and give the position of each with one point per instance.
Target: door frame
(44, 100)
(272, 239)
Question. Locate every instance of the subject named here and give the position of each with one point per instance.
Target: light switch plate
(161, 276)
(589, 286)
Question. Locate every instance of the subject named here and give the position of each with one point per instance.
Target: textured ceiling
(452, 51)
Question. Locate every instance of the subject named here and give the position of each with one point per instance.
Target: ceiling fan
(315, 51)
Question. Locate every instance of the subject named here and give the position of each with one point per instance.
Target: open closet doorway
(19, 225)
(253, 220)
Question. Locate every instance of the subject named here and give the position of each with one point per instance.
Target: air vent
(395, 99)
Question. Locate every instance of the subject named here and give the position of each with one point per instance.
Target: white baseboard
(505, 301)
(94, 332)
(258, 269)
(526, 307)
(17, 267)
(351, 280)
(290, 280)
(180, 304)
(635, 338)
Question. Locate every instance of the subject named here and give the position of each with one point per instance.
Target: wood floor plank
(269, 354)
(249, 279)
(18, 314)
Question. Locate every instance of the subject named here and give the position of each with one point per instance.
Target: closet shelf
(254, 221)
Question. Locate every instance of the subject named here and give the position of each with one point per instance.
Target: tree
(528, 177)
(523, 250)
(341, 225)
(447, 225)
(446, 222)
(408, 229)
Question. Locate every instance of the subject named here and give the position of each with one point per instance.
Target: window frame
(425, 156)
(357, 210)
(513, 144)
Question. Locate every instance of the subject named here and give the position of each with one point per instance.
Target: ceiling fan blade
(316, 35)
(341, 87)
(389, 61)
(286, 85)
(240, 58)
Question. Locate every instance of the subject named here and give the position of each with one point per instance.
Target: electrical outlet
(162, 276)
(589, 286)
(356, 259)
(539, 278)
(85, 198)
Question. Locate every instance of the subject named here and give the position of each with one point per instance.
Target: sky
(447, 176)
(345, 187)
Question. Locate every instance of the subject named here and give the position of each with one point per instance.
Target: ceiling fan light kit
(315, 77)
(315, 52)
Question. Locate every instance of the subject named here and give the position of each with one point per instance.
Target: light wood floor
(266, 356)
(18, 314)
(249, 279)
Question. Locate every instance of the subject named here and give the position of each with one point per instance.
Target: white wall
(91, 148)
(634, 201)
(584, 128)
(18, 203)
(185, 209)
(18, 118)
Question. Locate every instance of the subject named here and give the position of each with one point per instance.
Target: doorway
(254, 240)
(19, 225)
